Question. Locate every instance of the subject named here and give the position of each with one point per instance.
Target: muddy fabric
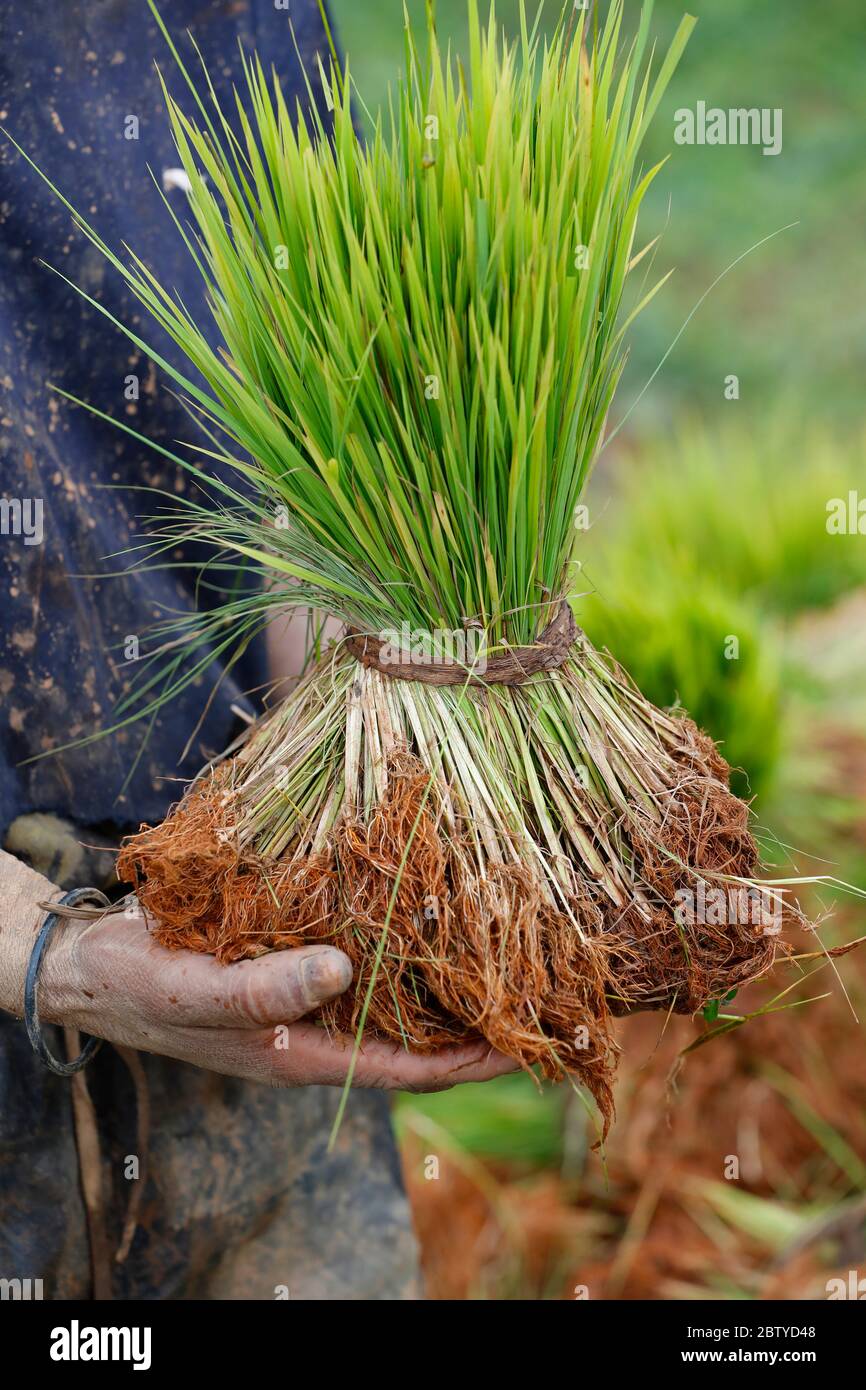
(242, 1198)
(241, 1202)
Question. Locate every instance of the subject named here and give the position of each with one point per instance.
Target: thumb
(274, 988)
(277, 988)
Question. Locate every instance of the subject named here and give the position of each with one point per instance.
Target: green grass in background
(704, 536)
(789, 321)
(686, 640)
(747, 504)
(510, 1119)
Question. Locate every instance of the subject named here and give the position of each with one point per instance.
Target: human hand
(110, 978)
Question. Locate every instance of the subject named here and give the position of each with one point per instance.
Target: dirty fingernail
(325, 975)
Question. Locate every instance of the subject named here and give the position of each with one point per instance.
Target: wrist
(21, 917)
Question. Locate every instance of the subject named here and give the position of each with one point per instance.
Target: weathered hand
(110, 978)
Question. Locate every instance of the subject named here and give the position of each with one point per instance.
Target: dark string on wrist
(31, 1007)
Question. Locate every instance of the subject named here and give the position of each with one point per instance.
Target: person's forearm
(287, 637)
(21, 890)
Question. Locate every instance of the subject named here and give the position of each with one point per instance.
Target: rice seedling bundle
(421, 337)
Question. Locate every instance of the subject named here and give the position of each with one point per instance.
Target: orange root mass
(464, 955)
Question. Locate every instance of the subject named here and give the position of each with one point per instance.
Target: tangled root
(455, 953)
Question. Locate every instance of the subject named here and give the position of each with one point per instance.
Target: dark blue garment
(75, 81)
(241, 1196)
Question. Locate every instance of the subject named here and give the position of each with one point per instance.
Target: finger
(389, 1066)
(306, 1055)
(274, 989)
(484, 1065)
